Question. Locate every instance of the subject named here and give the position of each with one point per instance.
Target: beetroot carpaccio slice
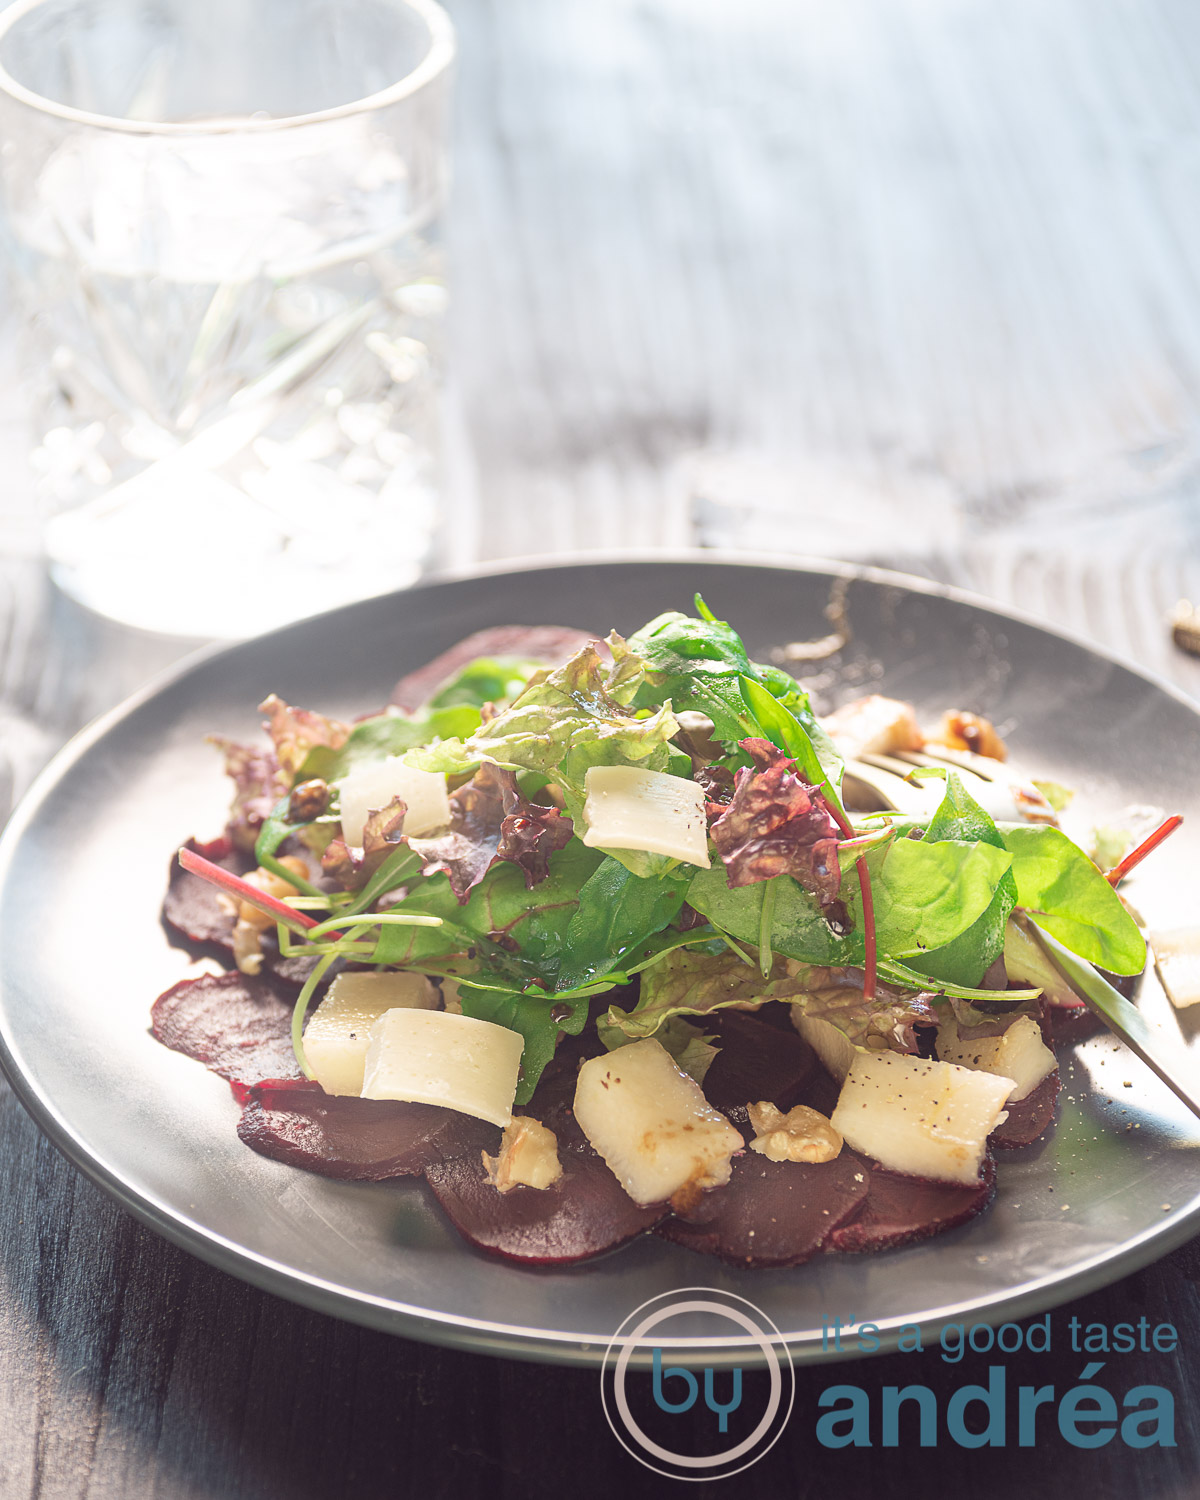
(358, 1140)
(902, 1210)
(1030, 1117)
(757, 1062)
(773, 1213)
(583, 1214)
(551, 644)
(237, 1025)
(193, 909)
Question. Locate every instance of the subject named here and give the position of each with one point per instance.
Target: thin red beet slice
(583, 1214)
(757, 1061)
(1070, 1024)
(237, 1025)
(773, 1213)
(551, 644)
(193, 909)
(357, 1140)
(1029, 1117)
(902, 1210)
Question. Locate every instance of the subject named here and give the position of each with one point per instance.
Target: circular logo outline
(631, 1341)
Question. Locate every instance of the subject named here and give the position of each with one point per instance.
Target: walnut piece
(801, 1135)
(528, 1156)
(874, 725)
(252, 923)
(960, 730)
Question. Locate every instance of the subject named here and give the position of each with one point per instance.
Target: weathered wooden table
(906, 280)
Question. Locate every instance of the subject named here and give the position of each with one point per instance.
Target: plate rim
(476, 1335)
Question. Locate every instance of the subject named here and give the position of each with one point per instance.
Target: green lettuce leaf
(578, 707)
(389, 733)
(687, 1044)
(691, 983)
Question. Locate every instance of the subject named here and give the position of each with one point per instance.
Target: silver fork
(882, 780)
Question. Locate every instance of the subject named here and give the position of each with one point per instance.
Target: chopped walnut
(960, 730)
(252, 923)
(528, 1156)
(801, 1135)
(874, 726)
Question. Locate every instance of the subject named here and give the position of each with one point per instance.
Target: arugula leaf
(516, 933)
(537, 1018)
(1066, 894)
(275, 829)
(617, 912)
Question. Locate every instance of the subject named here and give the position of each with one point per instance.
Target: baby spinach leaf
(617, 912)
(968, 957)
(926, 894)
(485, 680)
(1066, 894)
(798, 929)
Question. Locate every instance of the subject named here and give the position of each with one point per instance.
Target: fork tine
(914, 800)
(886, 775)
(961, 760)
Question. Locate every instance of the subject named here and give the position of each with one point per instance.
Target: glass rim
(435, 61)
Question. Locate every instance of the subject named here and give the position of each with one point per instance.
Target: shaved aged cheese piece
(628, 808)
(433, 1057)
(1020, 1054)
(366, 789)
(338, 1031)
(652, 1125)
(528, 1156)
(833, 1047)
(927, 1119)
(1177, 959)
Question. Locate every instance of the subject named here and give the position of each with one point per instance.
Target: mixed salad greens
(874, 922)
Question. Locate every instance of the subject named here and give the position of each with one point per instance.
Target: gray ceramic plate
(82, 956)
